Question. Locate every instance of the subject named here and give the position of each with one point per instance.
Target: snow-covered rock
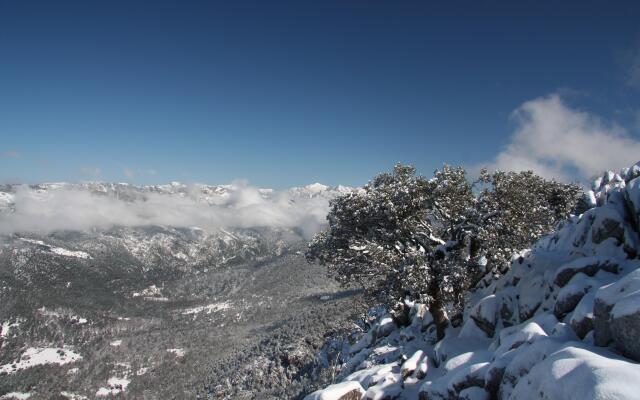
(348, 390)
(618, 311)
(576, 373)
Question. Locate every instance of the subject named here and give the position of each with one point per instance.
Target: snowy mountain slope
(237, 223)
(211, 194)
(562, 323)
(148, 287)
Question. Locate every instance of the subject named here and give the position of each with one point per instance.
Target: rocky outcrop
(539, 331)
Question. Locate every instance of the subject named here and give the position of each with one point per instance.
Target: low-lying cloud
(557, 141)
(242, 207)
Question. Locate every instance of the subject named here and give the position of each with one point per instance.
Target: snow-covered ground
(177, 352)
(57, 250)
(114, 387)
(562, 324)
(5, 328)
(15, 396)
(41, 356)
(74, 319)
(73, 396)
(209, 308)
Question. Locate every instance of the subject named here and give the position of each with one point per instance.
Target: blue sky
(289, 93)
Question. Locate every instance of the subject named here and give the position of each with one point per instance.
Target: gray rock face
(625, 332)
(566, 304)
(508, 307)
(355, 394)
(601, 322)
(588, 266)
(608, 229)
(582, 326)
(617, 315)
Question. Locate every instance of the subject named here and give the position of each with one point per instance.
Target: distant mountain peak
(317, 187)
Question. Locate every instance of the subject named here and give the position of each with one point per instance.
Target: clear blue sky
(289, 93)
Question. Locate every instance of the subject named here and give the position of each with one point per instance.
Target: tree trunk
(436, 308)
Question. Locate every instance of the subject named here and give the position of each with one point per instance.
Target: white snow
(115, 386)
(58, 250)
(16, 396)
(116, 343)
(4, 331)
(316, 187)
(74, 319)
(41, 356)
(118, 382)
(177, 352)
(73, 396)
(575, 373)
(409, 366)
(213, 307)
(334, 392)
(624, 295)
(150, 291)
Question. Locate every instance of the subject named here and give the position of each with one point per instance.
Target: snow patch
(73, 396)
(41, 356)
(177, 352)
(58, 250)
(213, 307)
(16, 396)
(115, 386)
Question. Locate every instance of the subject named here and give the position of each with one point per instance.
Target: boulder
(409, 366)
(388, 388)
(532, 291)
(576, 373)
(571, 294)
(474, 393)
(513, 337)
(581, 320)
(586, 265)
(485, 314)
(601, 322)
(625, 332)
(617, 315)
(451, 385)
(348, 390)
(385, 327)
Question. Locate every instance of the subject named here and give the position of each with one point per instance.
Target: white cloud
(557, 141)
(244, 207)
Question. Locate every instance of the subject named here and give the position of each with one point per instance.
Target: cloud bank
(242, 206)
(557, 141)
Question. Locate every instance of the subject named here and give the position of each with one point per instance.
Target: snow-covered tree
(516, 208)
(404, 237)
